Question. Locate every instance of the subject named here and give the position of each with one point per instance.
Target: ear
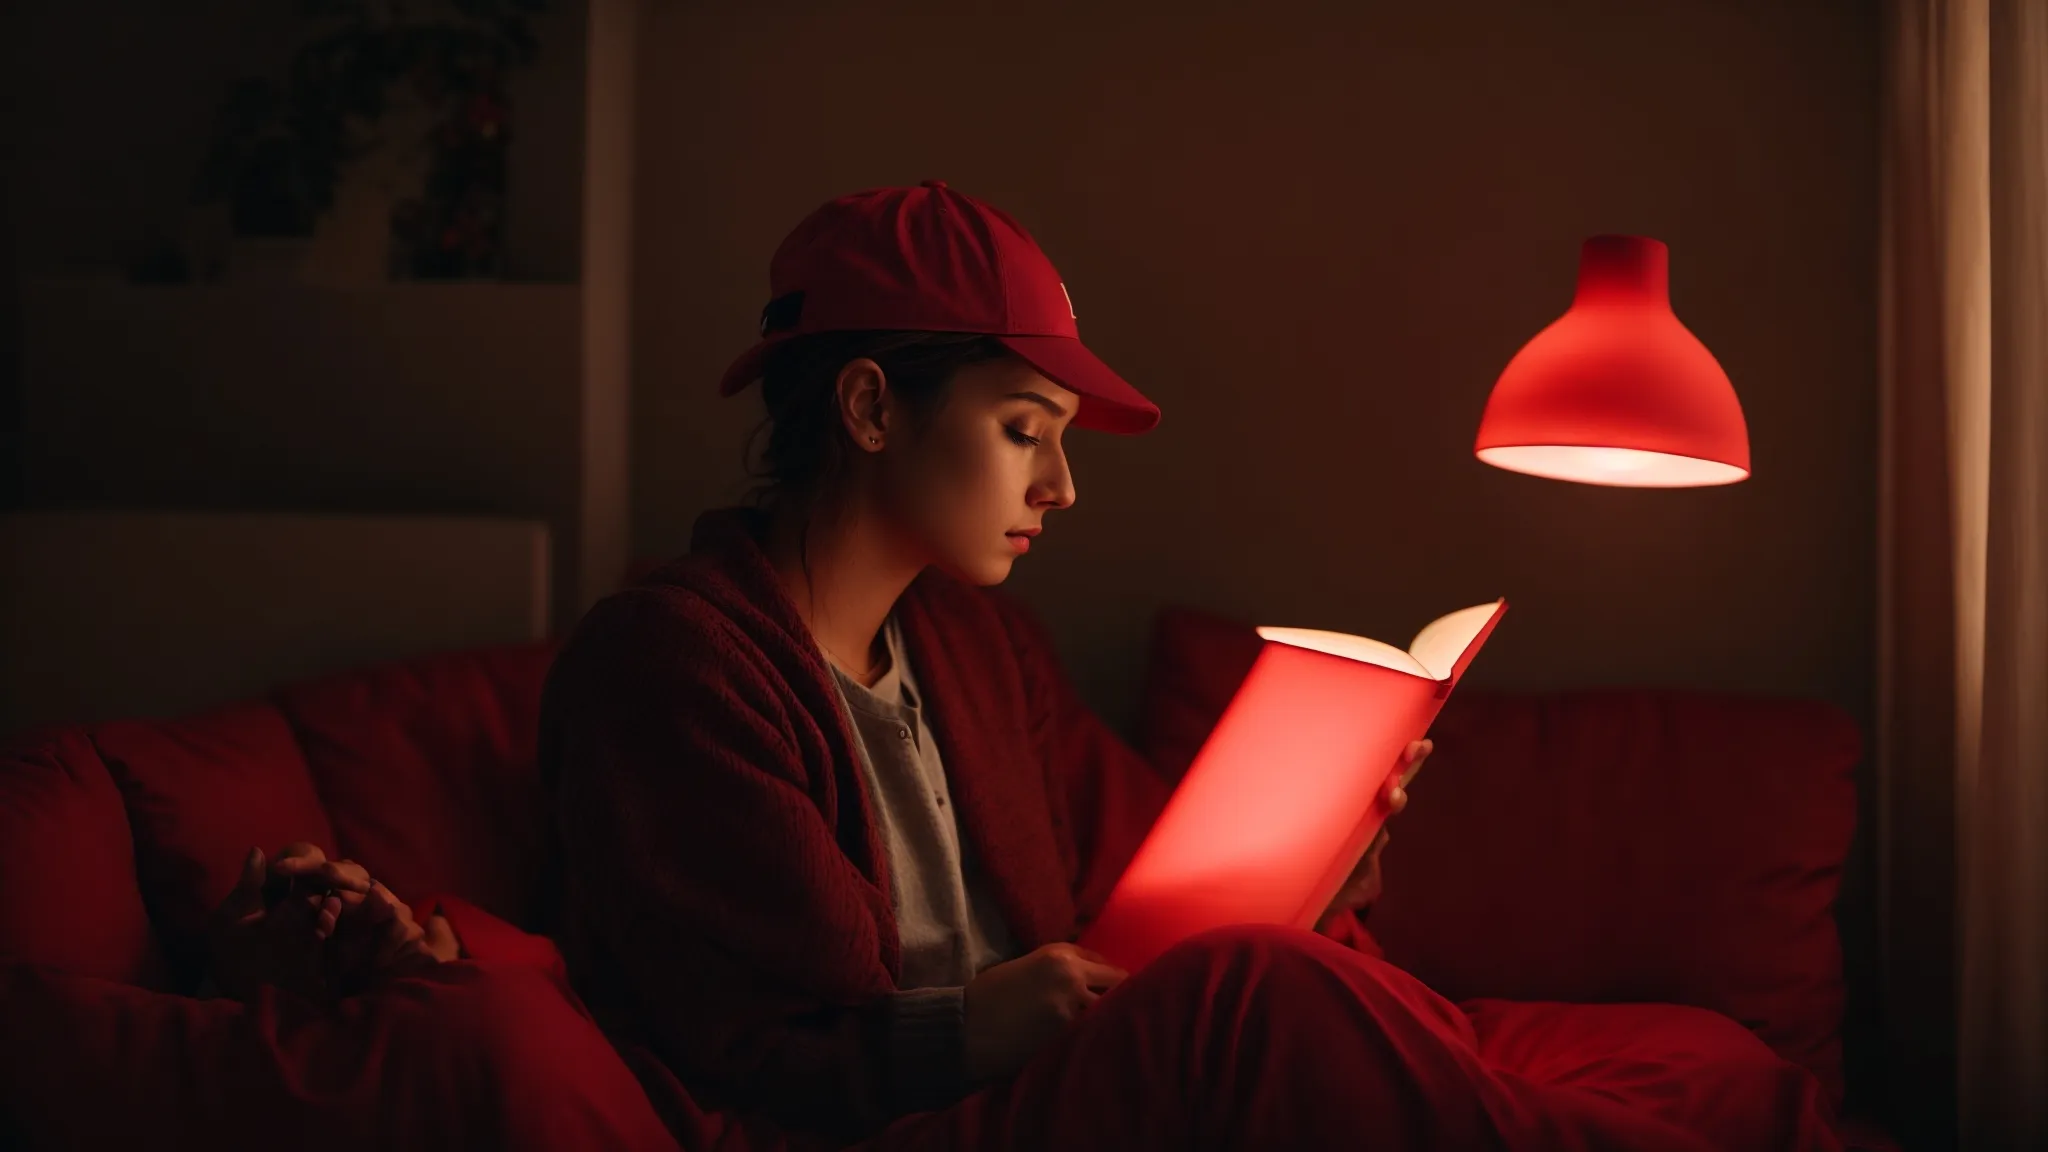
(862, 394)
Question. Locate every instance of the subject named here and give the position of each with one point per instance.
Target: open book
(1288, 791)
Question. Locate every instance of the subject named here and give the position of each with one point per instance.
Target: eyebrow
(1049, 405)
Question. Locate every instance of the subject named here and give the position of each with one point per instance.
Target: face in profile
(971, 485)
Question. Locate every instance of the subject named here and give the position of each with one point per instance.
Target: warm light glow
(1617, 467)
(1617, 391)
(1433, 653)
(1347, 646)
(1282, 799)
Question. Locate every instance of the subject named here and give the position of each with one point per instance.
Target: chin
(981, 572)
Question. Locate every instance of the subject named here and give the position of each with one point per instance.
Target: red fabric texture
(490, 939)
(1695, 844)
(68, 897)
(202, 791)
(727, 897)
(722, 871)
(1270, 1038)
(466, 1056)
(1598, 846)
(725, 883)
(427, 768)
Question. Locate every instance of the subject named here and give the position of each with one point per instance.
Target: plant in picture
(418, 87)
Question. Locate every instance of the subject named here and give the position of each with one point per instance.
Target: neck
(845, 577)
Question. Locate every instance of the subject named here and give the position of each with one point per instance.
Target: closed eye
(1021, 438)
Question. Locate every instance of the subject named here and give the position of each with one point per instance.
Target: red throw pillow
(1672, 846)
(429, 770)
(1196, 665)
(201, 792)
(68, 897)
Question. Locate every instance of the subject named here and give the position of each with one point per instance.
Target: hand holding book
(1291, 788)
(1364, 887)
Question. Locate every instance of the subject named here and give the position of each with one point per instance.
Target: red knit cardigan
(724, 896)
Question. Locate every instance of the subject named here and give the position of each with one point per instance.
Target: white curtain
(1963, 568)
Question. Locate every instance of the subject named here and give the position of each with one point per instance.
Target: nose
(1054, 486)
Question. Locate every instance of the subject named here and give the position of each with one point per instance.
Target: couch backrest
(68, 896)
(1672, 846)
(428, 769)
(423, 770)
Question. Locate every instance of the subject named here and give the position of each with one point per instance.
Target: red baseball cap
(929, 259)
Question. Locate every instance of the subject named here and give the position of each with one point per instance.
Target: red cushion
(1600, 846)
(201, 792)
(1697, 1071)
(1196, 664)
(68, 897)
(428, 768)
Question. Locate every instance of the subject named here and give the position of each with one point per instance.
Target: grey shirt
(949, 926)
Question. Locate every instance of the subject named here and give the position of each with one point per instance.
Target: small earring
(874, 440)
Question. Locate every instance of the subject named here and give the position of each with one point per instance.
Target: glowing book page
(1285, 795)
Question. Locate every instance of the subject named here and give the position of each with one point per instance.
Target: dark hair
(806, 448)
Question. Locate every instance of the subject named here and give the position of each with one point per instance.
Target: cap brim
(1108, 403)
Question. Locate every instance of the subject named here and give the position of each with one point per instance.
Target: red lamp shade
(1617, 391)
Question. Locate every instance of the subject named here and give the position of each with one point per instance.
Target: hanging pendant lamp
(1617, 391)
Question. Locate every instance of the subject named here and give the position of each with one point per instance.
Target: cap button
(931, 183)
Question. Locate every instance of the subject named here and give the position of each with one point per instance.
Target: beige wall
(1315, 233)
(415, 398)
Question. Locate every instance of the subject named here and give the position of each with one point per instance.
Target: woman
(830, 816)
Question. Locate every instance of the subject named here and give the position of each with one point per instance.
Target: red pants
(465, 1056)
(1274, 1039)
(1254, 1039)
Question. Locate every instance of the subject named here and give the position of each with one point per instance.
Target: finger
(399, 936)
(393, 907)
(300, 850)
(379, 907)
(1397, 798)
(441, 940)
(347, 876)
(333, 875)
(328, 916)
(246, 897)
(1418, 752)
(391, 944)
(1100, 977)
(373, 912)
(1090, 954)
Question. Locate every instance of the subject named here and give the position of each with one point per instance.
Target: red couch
(117, 839)
(1585, 847)
(1598, 846)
